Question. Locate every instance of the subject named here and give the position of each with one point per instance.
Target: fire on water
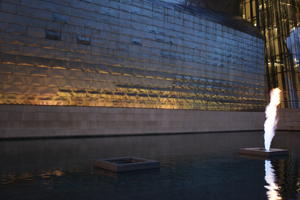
(271, 117)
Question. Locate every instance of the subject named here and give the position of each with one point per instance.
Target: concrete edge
(121, 135)
(288, 130)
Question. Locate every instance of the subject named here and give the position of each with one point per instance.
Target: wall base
(289, 120)
(23, 121)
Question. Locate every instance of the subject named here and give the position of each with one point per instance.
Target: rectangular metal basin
(261, 152)
(123, 164)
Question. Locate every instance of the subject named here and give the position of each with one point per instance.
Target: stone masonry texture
(126, 54)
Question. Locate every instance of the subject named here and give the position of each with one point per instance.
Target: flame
(272, 187)
(271, 117)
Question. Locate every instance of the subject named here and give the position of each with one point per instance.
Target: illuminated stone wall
(133, 53)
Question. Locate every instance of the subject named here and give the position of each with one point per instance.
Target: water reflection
(28, 176)
(192, 168)
(272, 187)
(282, 178)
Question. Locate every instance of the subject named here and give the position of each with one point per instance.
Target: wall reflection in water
(29, 176)
(191, 167)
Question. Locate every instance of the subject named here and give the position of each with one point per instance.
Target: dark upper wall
(230, 7)
(222, 12)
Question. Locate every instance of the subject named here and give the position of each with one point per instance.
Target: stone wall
(17, 121)
(289, 119)
(128, 53)
(63, 121)
(115, 67)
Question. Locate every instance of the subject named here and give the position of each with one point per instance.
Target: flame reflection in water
(272, 187)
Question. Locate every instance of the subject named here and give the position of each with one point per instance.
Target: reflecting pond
(193, 166)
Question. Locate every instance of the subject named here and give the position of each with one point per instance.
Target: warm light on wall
(193, 62)
(163, 93)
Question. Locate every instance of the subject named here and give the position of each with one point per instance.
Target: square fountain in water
(123, 164)
(261, 152)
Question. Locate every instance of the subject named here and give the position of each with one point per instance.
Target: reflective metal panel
(154, 56)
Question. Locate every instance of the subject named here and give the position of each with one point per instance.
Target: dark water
(197, 166)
